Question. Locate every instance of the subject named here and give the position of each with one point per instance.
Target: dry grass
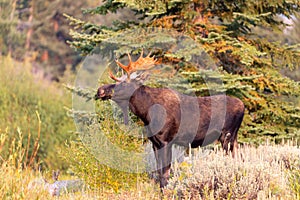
(15, 186)
(265, 172)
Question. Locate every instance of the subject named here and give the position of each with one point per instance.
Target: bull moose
(173, 118)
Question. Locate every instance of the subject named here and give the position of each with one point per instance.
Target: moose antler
(142, 63)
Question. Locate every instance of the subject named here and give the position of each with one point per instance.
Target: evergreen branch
(88, 94)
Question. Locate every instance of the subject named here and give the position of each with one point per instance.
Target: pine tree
(249, 65)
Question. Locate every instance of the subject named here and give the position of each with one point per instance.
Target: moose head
(125, 86)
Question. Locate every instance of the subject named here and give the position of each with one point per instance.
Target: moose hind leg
(225, 140)
(234, 147)
(234, 143)
(163, 158)
(233, 138)
(229, 143)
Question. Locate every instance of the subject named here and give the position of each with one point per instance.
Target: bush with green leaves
(22, 95)
(92, 156)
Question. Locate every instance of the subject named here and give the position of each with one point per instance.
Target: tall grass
(266, 172)
(19, 181)
(21, 96)
(16, 165)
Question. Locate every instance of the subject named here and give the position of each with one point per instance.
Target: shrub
(92, 158)
(256, 173)
(294, 179)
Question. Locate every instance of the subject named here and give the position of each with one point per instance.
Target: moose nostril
(101, 92)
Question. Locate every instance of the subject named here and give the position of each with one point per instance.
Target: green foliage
(94, 158)
(109, 6)
(268, 167)
(10, 37)
(96, 174)
(21, 97)
(248, 65)
(19, 181)
(294, 178)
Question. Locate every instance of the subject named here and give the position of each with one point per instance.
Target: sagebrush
(260, 172)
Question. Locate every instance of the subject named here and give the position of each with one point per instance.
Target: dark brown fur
(173, 118)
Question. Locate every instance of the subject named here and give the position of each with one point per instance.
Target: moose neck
(140, 102)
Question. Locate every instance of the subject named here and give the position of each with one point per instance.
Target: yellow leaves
(254, 100)
(165, 22)
(184, 168)
(239, 50)
(223, 47)
(269, 82)
(261, 83)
